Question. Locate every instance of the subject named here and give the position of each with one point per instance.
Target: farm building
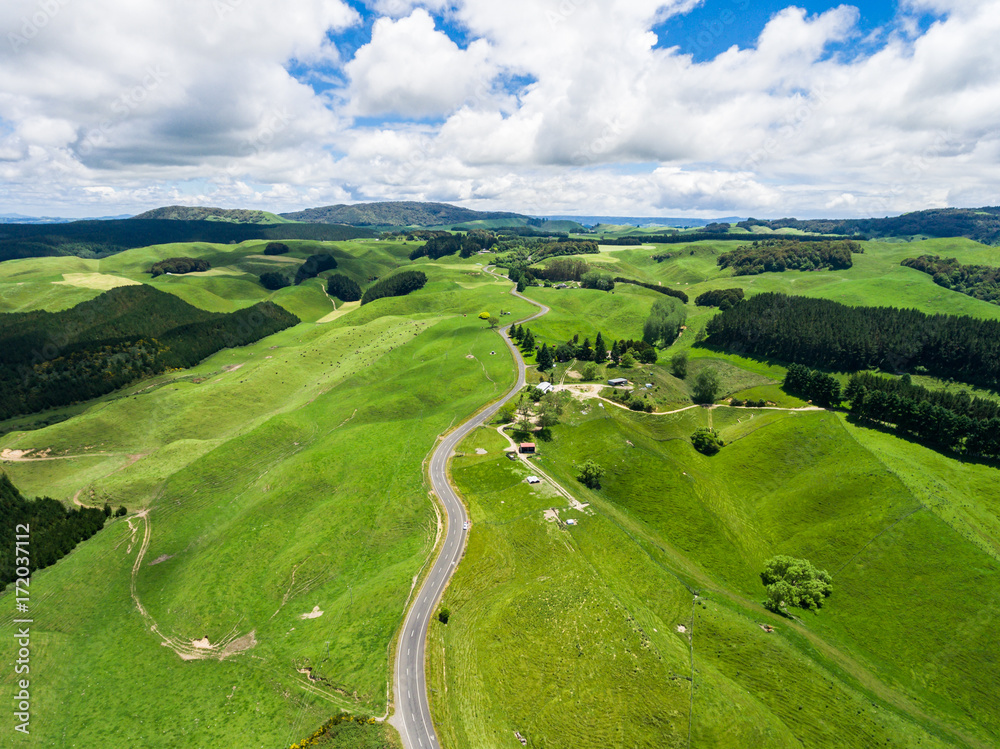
(534, 480)
(545, 387)
(618, 382)
(527, 447)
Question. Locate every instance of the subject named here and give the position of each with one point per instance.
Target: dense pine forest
(50, 359)
(776, 255)
(826, 334)
(398, 284)
(343, 288)
(55, 530)
(979, 281)
(954, 421)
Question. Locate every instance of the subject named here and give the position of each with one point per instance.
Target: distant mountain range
(404, 213)
(980, 224)
(19, 218)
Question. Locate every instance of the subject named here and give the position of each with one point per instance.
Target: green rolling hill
(279, 519)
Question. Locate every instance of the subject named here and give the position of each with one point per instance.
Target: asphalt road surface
(413, 716)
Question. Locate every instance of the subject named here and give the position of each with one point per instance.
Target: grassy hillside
(95, 239)
(577, 627)
(270, 480)
(279, 516)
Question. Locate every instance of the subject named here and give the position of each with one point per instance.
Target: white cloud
(411, 69)
(553, 106)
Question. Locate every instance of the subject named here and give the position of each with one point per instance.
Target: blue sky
(716, 25)
(542, 106)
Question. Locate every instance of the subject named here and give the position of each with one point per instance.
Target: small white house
(545, 387)
(534, 480)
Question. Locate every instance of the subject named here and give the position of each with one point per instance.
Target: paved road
(413, 716)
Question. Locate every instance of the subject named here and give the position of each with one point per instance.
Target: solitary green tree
(493, 320)
(794, 582)
(590, 371)
(706, 386)
(706, 441)
(590, 474)
(679, 364)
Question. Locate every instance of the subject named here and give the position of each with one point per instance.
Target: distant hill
(201, 213)
(94, 239)
(20, 218)
(979, 224)
(407, 213)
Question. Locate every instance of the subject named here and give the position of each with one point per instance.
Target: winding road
(412, 715)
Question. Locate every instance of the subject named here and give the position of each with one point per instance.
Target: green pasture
(275, 480)
(555, 612)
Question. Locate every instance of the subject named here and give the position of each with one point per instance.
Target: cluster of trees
(597, 279)
(794, 582)
(50, 359)
(343, 288)
(979, 281)
(627, 352)
(314, 265)
(980, 224)
(664, 322)
(818, 387)
(276, 248)
(721, 298)
(55, 530)
(562, 269)
(960, 402)
(102, 238)
(398, 284)
(446, 243)
(675, 293)
(563, 246)
(826, 334)
(273, 280)
(955, 423)
(707, 441)
(179, 265)
(776, 255)
(622, 353)
(524, 338)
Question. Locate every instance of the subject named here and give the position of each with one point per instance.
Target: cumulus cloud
(557, 106)
(411, 69)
